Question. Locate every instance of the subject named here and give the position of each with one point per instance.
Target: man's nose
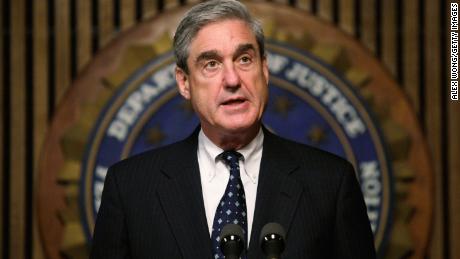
(231, 77)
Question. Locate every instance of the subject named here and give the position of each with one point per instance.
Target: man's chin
(239, 128)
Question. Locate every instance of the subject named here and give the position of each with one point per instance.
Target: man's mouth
(234, 101)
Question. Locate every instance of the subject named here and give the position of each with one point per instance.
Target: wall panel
(453, 151)
(2, 126)
(149, 8)
(347, 16)
(326, 10)
(84, 33)
(305, 5)
(128, 11)
(63, 54)
(368, 24)
(40, 100)
(454, 179)
(284, 2)
(433, 112)
(40, 78)
(17, 197)
(105, 18)
(411, 61)
(389, 40)
(169, 4)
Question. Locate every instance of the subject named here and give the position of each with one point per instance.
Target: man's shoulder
(310, 155)
(157, 155)
(151, 161)
(316, 169)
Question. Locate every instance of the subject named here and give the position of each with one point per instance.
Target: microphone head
(232, 241)
(272, 239)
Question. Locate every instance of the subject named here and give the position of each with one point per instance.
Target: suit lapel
(181, 197)
(277, 193)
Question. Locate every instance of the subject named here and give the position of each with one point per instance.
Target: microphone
(232, 242)
(272, 239)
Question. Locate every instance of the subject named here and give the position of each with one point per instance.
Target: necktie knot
(231, 157)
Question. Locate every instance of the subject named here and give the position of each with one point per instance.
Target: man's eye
(245, 60)
(211, 64)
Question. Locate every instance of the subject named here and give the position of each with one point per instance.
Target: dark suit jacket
(152, 205)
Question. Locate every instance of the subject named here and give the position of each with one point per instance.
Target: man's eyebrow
(243, 48)
(206, 55)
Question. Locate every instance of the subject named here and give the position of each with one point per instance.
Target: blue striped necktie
(232, 205)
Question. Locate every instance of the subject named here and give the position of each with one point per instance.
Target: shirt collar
(212, 151)
(249, 152)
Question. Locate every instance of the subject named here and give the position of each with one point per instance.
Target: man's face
(227, 82)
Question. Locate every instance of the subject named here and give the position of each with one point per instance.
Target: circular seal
(318, 96)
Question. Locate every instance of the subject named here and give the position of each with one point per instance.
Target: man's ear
(265, 68)
(183, 83)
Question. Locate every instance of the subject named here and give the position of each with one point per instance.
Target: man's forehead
(241, 47)
(208, 43)
(205, 40)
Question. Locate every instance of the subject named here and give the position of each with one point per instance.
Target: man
(172, 202)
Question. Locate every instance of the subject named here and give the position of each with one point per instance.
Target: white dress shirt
(215, 173)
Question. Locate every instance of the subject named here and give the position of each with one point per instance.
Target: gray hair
(209, 12)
